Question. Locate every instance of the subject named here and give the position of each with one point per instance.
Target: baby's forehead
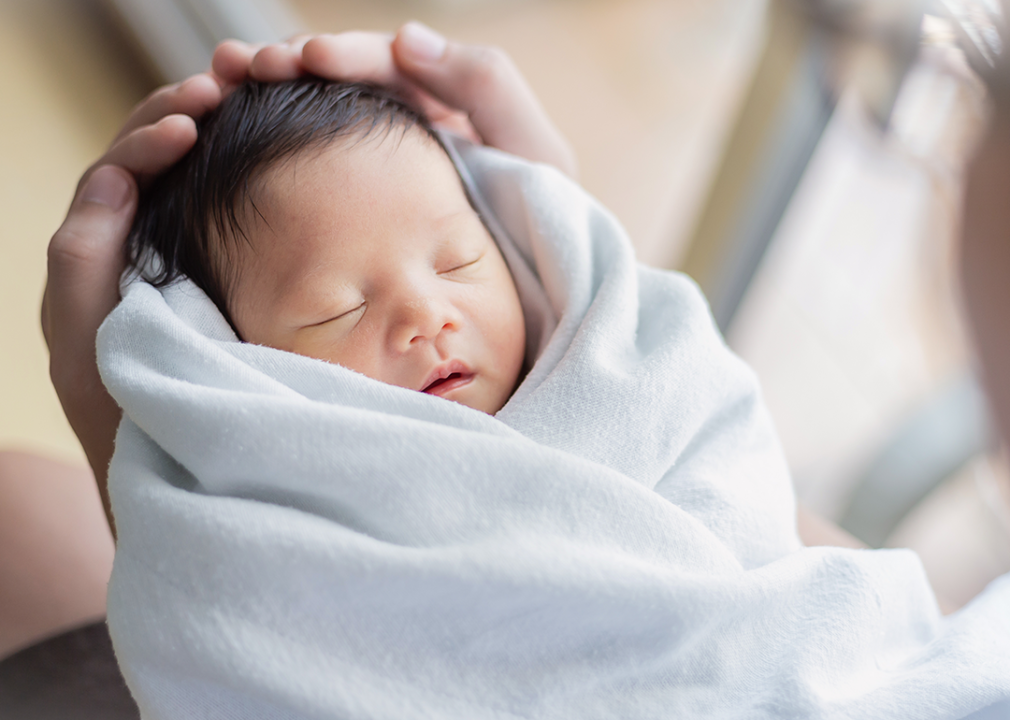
(393, 191)
(363, 147)
(403, 165)
(331, 171)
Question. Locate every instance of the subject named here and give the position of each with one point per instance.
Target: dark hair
(205, 197)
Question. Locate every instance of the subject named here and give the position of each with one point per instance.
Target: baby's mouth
(447, 378)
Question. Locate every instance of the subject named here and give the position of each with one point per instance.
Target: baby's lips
(441, 375)
(443, 387)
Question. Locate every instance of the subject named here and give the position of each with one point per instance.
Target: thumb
(86, 258)
(484, 83)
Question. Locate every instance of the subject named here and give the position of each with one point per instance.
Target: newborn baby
(327, 220)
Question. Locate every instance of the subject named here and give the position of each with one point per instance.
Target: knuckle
(153, 102)
(69, 249)
(160, 95)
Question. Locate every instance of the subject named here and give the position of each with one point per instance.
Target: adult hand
(86, 256)
(477, 91)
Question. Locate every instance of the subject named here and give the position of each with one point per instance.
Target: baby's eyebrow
(330, 318)
(453, 217)
(461, 228)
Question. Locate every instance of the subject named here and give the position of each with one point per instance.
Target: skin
(368, 255)
(47, 584)
(985, 262)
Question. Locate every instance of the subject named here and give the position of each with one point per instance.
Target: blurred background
(803, 165)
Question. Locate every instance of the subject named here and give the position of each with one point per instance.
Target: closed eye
(336, 317)
(463, 266)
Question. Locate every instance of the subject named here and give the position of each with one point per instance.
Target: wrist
(93, 416)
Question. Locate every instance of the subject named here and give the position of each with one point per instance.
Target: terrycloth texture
(299, 541)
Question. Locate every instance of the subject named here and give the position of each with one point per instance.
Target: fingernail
(422, 42)
(106, 187)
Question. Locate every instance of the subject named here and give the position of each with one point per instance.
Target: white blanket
(299, 541)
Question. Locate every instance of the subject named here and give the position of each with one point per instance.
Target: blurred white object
(179, 36)
(977, 23)
(852, 322)
(876, 42)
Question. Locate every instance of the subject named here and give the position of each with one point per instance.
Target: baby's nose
(423, 319)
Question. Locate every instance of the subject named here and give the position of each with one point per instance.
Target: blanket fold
(297, 540)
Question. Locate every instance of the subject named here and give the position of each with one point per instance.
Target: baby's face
(370, 256)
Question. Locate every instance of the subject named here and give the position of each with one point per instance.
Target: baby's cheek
(360, 351)
(513, 333)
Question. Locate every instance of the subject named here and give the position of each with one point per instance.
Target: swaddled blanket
(300, 541)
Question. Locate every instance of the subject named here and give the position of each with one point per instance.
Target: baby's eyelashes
(346, 315)
(456, 267)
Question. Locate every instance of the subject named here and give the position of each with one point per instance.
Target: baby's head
(327, 220)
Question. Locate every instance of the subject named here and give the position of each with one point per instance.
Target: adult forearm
(985, 263)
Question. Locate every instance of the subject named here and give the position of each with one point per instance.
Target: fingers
(368, 57)
(352, 57)
(484, 83)
(151, 149)
(193, 96)
(235, 61)
(274, 63)
(476, 91)
(86, 253)
(85, 259)
(232, 59)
